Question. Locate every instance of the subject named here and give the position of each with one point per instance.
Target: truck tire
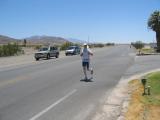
(37, 59)
(48, 56)
(57, 55)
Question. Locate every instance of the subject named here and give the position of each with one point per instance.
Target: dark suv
(73, 50)
(47, 52)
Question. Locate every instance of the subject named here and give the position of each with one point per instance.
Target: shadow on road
(87, 80)
(45, 59)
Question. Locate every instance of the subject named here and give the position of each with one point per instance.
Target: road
(53, 89)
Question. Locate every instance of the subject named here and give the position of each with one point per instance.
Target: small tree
(138, 44)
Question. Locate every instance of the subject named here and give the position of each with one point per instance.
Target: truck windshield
(43, 49)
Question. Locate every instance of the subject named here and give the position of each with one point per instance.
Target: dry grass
(138, 109)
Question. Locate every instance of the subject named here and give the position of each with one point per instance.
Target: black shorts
(85, 64)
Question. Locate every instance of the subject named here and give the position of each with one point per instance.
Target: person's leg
(87, 65)
(89, 69)
(85, 72)
(84, 69)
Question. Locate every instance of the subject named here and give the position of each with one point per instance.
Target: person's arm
(81, 54)
(90, 52)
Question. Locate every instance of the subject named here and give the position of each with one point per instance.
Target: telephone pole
(88, 39)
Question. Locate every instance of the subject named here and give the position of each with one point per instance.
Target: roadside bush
(10, 50)
(66, 45)
(110, 44)
(0, 50)
(100, 45)
(138, 44)
(37, 47)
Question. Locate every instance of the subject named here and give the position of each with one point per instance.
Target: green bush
(37, 47)
(10, 50)
(138, 44)
(100, 45)
(110, 44)
(1, 50)
(66, 45)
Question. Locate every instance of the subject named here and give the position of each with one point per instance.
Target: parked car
(73, 50)
(47, 52)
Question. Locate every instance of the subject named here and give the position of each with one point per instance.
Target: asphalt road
(53, 90)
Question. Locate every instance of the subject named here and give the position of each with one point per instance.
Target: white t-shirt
(86, 54)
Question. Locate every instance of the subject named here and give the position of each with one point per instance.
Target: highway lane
(53, 90)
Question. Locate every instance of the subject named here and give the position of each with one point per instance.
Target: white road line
(52, 106)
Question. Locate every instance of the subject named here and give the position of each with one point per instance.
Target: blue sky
(121, 21)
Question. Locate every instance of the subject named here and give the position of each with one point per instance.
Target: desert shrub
(10, 50)
(66, 45)
(100, 45)
(110, 44)
(138, 44)
(37, 47)
(0, 51)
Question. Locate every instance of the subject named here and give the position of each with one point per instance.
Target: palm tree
(154, 24)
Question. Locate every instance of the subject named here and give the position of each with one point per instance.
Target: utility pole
(88, 40)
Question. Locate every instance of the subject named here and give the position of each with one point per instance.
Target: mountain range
(76, 40)
(46, 40)
(39, 40)
(6, 39)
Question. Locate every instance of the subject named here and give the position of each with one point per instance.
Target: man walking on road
(85, 54)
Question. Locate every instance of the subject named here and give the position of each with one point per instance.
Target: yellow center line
(13, 81)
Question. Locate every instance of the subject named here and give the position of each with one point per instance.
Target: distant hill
(46, 40)
(39, 40)
(76, 40)
(6, 39)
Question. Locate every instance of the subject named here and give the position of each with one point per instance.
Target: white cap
(84, 44)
